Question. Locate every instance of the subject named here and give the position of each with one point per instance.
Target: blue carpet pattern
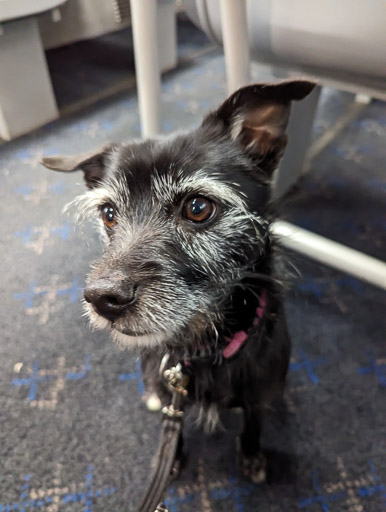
(75, 435)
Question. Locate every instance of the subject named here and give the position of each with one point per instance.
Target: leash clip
(176, 380)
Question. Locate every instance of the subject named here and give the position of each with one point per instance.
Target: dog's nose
(111, 303)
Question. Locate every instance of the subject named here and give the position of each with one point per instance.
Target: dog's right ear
(93, 164)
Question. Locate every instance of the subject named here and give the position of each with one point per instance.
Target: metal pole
(235, 41)
(147, 68)
(331, 253)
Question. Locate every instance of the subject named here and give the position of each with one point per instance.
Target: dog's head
(182, 217)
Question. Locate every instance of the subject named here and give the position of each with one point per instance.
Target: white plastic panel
(12, 9)
(339, 41)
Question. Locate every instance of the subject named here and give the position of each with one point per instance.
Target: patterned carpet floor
(75, 435)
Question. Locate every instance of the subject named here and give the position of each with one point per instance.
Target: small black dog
(189, 266)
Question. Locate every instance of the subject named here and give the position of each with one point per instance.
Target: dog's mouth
(127, 338)
(124, 336)
(129, 332)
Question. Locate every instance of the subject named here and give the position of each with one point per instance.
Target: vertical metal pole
(299, 135)
(235, 41)
(147, 68)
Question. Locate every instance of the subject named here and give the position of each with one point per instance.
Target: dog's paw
(254, 467)
(152, 402)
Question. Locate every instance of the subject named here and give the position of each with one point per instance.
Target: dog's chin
(142, 340)
(128, 339)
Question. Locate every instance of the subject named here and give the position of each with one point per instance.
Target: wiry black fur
(237, 146)
(253, 379)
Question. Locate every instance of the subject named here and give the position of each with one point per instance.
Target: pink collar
(240, 337)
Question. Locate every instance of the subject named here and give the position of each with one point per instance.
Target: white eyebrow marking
(167, 187)
(113, 190)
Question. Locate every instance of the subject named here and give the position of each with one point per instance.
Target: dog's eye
(109, 216)
(199, 209)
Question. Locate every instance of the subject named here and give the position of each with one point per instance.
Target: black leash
(177, 381)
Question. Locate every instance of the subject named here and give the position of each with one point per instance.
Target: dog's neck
(241, 305)
(239, 313)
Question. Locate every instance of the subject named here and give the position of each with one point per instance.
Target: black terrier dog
(189, 267)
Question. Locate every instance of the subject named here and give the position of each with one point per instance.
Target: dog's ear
(93, 164)
(257, 116)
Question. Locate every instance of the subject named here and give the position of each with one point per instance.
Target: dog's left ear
(256, 116)
(93, 164)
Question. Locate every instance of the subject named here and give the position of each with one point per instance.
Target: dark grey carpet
(74, 433)
(88, 68)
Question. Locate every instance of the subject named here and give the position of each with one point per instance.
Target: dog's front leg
(252, 461)
(156, 396)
